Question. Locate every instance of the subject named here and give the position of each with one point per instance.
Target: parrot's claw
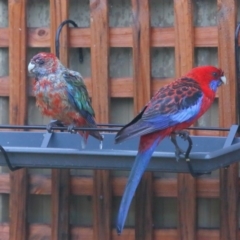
(179, 153)
(71, 129)
(183, 134)
(53, 123)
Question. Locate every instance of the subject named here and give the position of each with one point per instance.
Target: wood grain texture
(144, 209)
(100, 59)
(118, 37)
(142, 94)
(184, 60)
(141, 54)
(60, 204)
(102, 206)
(43, 231)
(59, 13)
(119, 87)
(229, 191)
(17, 59)
(100, 101)
(60, 177)
(17, 113)
(83, 186)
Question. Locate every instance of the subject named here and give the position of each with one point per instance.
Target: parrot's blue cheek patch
(214, 84)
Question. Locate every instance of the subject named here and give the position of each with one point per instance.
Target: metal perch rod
(109, 128)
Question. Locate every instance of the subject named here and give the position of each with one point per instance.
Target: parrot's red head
(209, 77)
(43, 64)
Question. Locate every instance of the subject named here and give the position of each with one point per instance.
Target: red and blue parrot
(61, 94)
(173, 108)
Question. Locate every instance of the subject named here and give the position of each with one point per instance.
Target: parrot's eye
(215, 74)
(40, 61)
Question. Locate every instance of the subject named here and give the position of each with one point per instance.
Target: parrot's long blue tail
(142, 159)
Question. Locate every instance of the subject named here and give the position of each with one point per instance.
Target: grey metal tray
(63, 150)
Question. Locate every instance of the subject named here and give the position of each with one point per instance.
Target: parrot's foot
(183, 134)
(54, 123)
(178, 151)
(71, 129)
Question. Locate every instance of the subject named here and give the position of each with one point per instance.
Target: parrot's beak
(31, 67)
(223, 79)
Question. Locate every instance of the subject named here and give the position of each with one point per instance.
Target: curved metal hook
(237, 69)
(57, 43)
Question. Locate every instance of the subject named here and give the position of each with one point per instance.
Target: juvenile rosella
(173, 108)
(61, 94)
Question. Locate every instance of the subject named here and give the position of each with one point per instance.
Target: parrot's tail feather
(139, 166)
(96, 135)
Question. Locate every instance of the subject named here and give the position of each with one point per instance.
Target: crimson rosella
(173, 108)
(61, 94)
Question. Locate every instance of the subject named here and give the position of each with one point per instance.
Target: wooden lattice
(184, 37)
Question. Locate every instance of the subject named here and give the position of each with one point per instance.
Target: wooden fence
(141, 36)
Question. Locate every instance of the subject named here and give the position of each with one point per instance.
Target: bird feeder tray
(63, 150)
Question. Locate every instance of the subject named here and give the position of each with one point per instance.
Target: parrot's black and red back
(181, 101)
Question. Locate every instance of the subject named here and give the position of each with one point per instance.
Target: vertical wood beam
(144, 208)
(18, 113)
(227, 18)
(99, 59)
(102, 205)
(59, 13)
(184, 57)
(100, 101)
(141, 53)
(142, 94)
(60, 204)
(60, 178)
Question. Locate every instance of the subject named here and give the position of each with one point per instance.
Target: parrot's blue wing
(176, 103)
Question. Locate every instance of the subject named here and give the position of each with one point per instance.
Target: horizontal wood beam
(39, 184)
(43, 231)
(119, 37)
(119, 87)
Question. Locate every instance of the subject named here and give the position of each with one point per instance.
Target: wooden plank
(43, 231)
(17, 113)
(59, 13)
(4, 82)
(4, 37)
(17, 59)
(143, 212)
(142, 94)
(60, 204)
(99, 59)
(141, 54)
(101, 105)
(39, 37)
(83, 186)
(102, 205)
(118, 37)
(119, 88)
(227, 18)
(184, 52)
(60, 177)
(40, 231)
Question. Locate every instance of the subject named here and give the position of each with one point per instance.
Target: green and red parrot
(173, 108)
(61, 94)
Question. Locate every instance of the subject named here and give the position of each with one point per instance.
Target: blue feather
(163, 121)
(214, 84)
(139, 166)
